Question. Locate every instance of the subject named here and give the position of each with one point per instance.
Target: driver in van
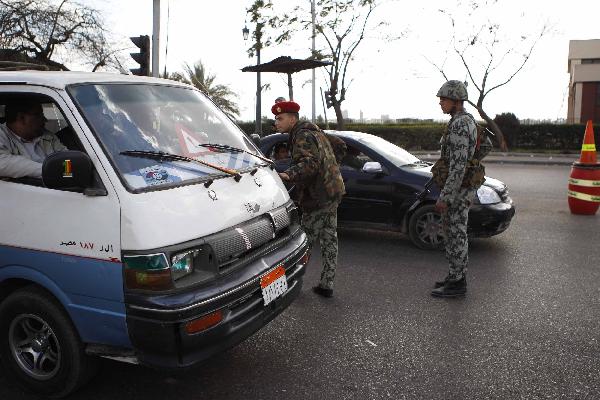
(24, 143)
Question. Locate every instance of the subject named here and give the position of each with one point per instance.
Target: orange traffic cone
(584, 181)
(588, 148)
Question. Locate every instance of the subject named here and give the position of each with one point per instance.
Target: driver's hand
(284, 176)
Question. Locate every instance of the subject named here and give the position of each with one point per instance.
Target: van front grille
(235, 242)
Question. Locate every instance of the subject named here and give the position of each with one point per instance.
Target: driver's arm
(17, 166)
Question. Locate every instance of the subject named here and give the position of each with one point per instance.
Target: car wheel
(425, 228)
(39, 346)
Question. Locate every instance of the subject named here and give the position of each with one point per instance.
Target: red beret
(285, 107)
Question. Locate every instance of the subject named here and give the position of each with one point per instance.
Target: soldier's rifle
(421, 196)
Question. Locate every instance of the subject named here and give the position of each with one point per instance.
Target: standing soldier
(319, 185)
(458, 174)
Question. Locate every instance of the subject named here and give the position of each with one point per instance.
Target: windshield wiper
(162, 156)
(219, 146)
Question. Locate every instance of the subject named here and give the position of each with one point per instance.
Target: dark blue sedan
(382, 182)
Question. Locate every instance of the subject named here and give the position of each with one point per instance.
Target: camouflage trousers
(454, 225)
(321, 226)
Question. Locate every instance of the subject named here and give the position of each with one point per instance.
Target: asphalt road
(528, 328)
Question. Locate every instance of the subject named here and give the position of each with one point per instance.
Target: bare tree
(342, 25)
(54, 32)
(491, 53)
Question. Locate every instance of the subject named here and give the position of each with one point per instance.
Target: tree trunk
(493, 127)
(337, 107)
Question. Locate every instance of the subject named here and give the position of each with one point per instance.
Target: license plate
(273, 284)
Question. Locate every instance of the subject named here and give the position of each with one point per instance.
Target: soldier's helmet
(455, 90)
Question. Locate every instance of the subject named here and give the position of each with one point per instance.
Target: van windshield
(146, 118)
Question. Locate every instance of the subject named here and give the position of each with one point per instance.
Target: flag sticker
(67, 169)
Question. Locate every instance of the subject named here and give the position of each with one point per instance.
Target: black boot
(451, 288)
(322, 291)
(441, 283)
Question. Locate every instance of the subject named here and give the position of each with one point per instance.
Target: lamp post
(257, 36)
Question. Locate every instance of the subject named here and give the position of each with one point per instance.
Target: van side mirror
(69, 170)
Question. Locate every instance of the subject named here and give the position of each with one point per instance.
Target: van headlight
(147, 272)
(153, 272)
(182, 264)
(487, 195)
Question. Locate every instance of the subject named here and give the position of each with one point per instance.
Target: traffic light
(143, 57)
(328, 99)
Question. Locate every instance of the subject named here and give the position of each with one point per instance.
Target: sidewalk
(511, 158)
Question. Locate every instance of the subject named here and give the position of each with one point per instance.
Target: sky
(395, 78)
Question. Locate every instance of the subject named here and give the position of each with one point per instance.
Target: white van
(161, 237)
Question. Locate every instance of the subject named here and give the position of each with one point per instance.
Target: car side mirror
(69, 170)
(256, 139)
(372, 167)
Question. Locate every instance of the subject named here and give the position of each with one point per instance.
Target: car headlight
(182, 264)
(487, 195)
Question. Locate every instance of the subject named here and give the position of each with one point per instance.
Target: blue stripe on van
(91, 290)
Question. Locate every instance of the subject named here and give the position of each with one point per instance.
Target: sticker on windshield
(157, 175)
(190, 141)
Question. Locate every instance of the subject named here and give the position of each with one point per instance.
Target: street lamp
(257, 36)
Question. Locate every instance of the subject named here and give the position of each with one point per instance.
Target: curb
(515, 159)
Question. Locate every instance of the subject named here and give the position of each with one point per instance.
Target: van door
(66, 241)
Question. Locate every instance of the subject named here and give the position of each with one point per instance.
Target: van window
(20, 150)
(166, 119)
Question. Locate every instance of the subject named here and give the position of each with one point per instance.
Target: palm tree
(198, 76)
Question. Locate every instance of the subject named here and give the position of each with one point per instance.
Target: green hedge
(553, 137)
(426, 136)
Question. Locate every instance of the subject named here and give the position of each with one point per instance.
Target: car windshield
(136, 122)
(396, 155)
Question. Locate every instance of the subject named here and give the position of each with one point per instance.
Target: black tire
(425, 228)
(39, 346)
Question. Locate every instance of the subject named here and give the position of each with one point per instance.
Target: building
(584, 84)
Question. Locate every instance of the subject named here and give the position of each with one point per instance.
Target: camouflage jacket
(314, 169)
(457, 148)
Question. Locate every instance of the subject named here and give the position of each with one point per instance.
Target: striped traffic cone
(584, 181)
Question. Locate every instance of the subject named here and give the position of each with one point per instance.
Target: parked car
(382, 182)
(161, 237)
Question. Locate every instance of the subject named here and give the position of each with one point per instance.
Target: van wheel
(39, 346)
(425, 228)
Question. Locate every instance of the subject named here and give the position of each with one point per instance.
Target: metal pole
(314, 106)
(155, 38)
(258, 128)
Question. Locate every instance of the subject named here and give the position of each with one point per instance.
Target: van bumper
(157, 328)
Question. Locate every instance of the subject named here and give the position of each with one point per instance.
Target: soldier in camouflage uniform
(458, 146)
(319, 185)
